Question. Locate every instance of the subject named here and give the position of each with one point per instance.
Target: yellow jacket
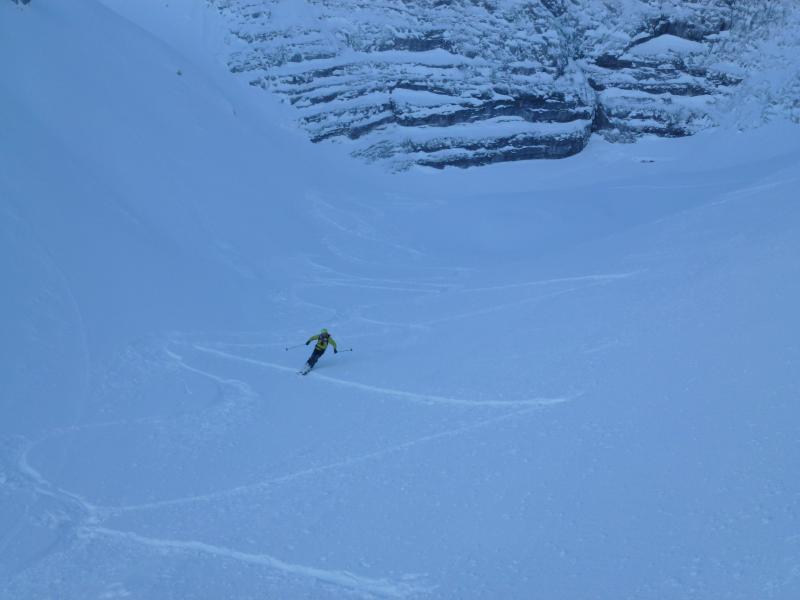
(323, 339)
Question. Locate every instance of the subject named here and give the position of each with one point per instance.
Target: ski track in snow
(342, 280)
(392, 324)
(444, 274)
(374, 286)
(600, 277)
(310, 471)
(591, 280)
(343, 579)
(88, 524)
(508, 305)
(43, 487)
(411, 396)
(236, 383)
(327, 213)
(333, 278)
(86, 518)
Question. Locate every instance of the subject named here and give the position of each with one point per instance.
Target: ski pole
(348, 350)
(293, 347)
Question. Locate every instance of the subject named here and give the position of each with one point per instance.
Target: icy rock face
(422, 81)
(649, 62)
(763, 49)
(469, 82)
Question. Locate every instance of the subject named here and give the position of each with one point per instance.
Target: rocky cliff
(469, 82)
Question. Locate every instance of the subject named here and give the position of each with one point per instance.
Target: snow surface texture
(467, 83)
(570, 379)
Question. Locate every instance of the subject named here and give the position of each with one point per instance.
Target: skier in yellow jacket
(323, 339)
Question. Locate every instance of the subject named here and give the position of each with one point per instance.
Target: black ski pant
(312, 360)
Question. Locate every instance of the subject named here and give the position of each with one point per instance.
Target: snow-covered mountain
(467, 83)
(572, 379)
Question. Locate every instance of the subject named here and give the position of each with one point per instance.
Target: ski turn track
(88, 520)
(344, 579)
(410, 396)
(316, 470)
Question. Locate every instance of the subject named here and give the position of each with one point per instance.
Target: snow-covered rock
(467, 83)
(418, 81)
(648, 62)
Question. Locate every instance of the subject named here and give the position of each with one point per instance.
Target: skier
(323, 339)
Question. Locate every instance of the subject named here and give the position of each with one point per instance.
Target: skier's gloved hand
(308, 342)
(335, 351)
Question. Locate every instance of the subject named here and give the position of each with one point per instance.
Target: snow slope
(569, 380)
